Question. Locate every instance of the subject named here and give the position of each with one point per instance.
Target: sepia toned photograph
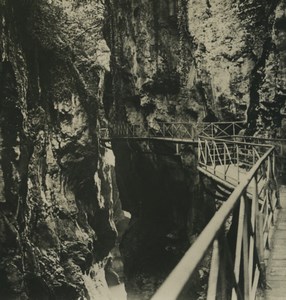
(142, 149)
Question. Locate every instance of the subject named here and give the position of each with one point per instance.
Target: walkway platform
(276, 267)
(153, 138)
(230, 177)
(248, 167)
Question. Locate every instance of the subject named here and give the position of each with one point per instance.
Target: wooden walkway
(276, 262)
(248, 167)
(276, 267)
(231, 178)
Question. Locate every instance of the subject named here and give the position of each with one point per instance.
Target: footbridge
(249, 267)
(177, 132)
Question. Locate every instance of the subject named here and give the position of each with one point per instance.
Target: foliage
(71, 29)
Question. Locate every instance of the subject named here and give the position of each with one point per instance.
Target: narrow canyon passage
(77, 213)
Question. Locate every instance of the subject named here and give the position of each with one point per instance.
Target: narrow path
(276, 269)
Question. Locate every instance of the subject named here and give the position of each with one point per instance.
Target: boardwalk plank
(278, 263)
(276, 270)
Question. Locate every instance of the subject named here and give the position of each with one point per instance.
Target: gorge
(69, 68)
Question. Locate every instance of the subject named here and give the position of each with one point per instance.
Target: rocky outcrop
(69, 67)
(272, 88)
(179, 60)
(57, 191)
(168, 207)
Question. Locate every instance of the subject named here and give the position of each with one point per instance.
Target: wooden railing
(246, 164)
(235, 270)
(171, 130)
(280, 144)
(174, 130)
(220, 129)
(280, 147)
(228, 159)
(128, 130)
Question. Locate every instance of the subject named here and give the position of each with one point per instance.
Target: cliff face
(272, 88)
(68, 68)
(180, 59)
(56, 205)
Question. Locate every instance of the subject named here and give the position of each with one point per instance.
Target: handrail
(229, 160)
(220, 129)
(254, 192)
(181, 274)
(235, 142)
(184, 130)
(226, 122)
(259, 138)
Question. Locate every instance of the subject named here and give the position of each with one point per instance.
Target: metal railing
(235, 270)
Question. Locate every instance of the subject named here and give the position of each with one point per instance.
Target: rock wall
(57, 191)
(182, 59)
(272, 88)
(69, 67)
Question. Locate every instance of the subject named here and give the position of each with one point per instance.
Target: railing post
(253, 156)
(246, 276)
(268, 168)
(177, 148)
(267, 217)
(277, 193)
(222, 273)
(206, 151)
(237, 162)
(274, 164)
(260, 243)
(254, 210)
(214, 272)
(177, 131)
(270, 191)
(214, 160)
(224, 161)
(199, 151)
(238, 246)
